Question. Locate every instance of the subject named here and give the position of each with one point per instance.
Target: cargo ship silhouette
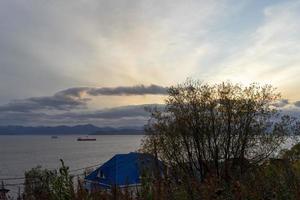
(86, 139)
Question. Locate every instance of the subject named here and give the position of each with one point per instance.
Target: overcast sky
(94, 61)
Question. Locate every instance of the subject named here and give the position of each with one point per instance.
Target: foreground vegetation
(216, 141)
(273, 179)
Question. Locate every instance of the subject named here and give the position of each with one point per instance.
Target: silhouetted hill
(69, 130)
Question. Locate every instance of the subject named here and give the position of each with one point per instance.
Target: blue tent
(122, 170)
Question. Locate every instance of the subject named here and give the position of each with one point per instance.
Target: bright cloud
(94, 46)
(272, 52)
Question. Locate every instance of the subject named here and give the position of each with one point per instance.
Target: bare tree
(215, 129)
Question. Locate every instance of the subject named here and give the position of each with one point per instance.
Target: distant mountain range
(87, 129)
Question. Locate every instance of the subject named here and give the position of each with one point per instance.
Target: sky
(101, 62)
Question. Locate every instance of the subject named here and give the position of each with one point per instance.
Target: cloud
(297, 103)
(135, 90)
(58, 101)
(115, 91)
(270, 52)
(46, 45)
(281, 103)
(113, 113)
(134, 115)
(74, 98)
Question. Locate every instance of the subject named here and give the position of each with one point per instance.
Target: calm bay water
(20, 153)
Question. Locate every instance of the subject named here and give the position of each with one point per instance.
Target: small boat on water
(54, 137)
(86, 139)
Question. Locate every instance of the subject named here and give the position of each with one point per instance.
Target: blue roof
(122, 170)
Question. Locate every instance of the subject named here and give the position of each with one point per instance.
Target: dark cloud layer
(73, 98)
(281, 103)
(297, 103)
(55, 102)
(116, 91)
(134, 115)
(113, 113)
(135, 90)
